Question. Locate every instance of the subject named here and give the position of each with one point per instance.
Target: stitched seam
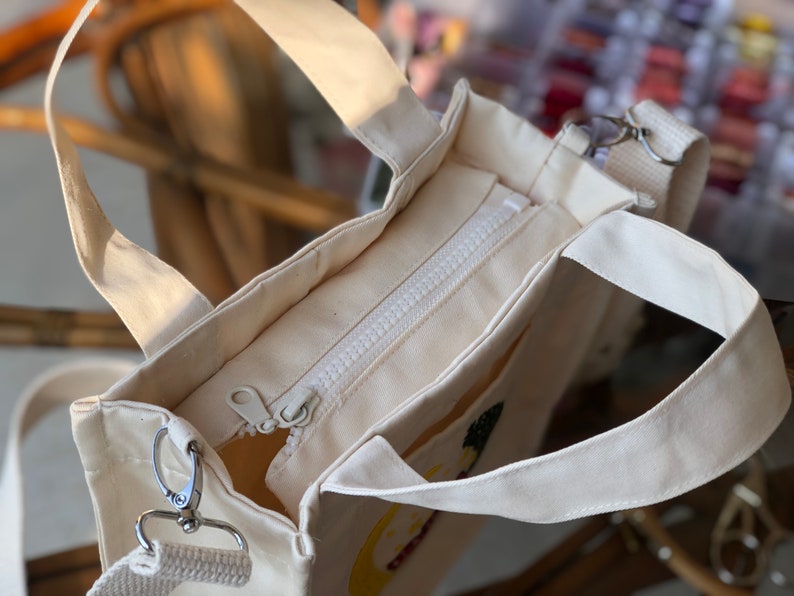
(326, 89)
(122, 460)
(555, 147)
(669, 493)
(111, 472)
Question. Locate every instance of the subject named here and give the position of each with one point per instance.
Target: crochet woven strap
(172, 564)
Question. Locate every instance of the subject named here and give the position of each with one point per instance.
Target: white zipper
(417, 295)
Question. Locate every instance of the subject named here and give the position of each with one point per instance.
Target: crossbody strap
(58, 387)
(142, 574)
(350, 67)
(139, 572)
(714, 420)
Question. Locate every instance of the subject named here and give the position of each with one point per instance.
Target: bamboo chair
(205, 73)
(28, 47)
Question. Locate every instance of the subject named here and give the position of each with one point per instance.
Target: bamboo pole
(681, 563)
(29, 47)
(275, 195)
(22, 326)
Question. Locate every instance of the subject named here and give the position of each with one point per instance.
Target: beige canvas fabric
(138, 572)
(415, 354)
(674, 190)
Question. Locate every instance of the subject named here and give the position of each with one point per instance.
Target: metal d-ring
(628, 130)
(625, 131)
(147, 545)
(186, 501)
(642, 134)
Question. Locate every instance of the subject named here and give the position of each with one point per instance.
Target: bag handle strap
(706, 426)
(347, 63)
(153, 299)
(352, 69)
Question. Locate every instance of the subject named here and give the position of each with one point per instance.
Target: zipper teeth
(409, 301)
(431, 300)
(399, 304)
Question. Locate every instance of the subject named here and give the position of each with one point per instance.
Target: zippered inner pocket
(409, 303)
(416, 298)
(283, 352)
(315, 392)
(433, 336)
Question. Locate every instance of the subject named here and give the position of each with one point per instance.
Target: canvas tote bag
(404, 365)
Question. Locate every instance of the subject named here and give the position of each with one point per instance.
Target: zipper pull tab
(517, 202)
(299, 410)
(249, 405)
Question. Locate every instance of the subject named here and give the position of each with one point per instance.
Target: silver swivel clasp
(629, 130)
(185, 501)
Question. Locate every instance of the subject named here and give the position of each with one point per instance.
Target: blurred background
(207, 146)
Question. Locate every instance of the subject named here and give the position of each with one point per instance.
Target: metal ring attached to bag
(185, 501)
(628, 130)
(147, 545)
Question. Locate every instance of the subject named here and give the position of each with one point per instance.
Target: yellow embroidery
(366, 578)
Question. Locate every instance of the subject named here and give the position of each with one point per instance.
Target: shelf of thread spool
(725, 71)
(723, 66)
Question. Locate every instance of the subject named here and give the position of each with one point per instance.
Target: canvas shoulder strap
(58, 387)
(714, 420)
(349, 66)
